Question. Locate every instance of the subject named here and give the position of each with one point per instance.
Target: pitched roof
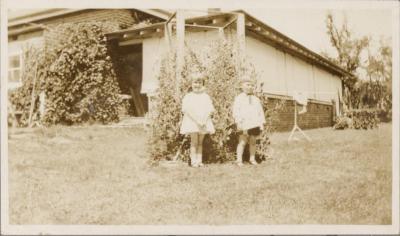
(21, 17)
(254, 28)
(213, 20)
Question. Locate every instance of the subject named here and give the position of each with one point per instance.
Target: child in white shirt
(197, 108)
(249, 117)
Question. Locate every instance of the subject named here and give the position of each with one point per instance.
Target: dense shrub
(77, 75)
(358, 119)
(81, 83)
(385, 113)
(364, 118)
(218, 61)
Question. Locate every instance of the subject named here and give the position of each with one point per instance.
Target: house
(30, 28)
(284, 65)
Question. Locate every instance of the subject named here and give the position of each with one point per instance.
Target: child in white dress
(197, 108)
(249, 117)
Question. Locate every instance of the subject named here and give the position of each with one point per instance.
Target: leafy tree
(348, 49)
(376, 92)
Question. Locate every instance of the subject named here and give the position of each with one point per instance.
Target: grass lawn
(98, 175)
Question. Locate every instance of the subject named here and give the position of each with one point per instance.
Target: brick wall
(121, 17)
(319, 114)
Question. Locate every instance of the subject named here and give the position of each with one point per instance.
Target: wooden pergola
(178, 23)
(245, 24)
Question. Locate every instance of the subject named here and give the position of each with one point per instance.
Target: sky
(307, 26)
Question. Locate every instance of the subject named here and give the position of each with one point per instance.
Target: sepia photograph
(200, 118)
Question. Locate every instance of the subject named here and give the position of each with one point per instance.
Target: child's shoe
(253, 163)
(239, 163)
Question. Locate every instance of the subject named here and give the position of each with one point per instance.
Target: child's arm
(209, 109)
(236, 112)
(185, 109)
(192, 118)
(261, 114)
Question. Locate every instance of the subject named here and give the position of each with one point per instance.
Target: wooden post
(42, 104)
(221, 33)
(180, 50)
(241, 40)
(13, 115)
(33, 97)
(167, 35)
(334, 113)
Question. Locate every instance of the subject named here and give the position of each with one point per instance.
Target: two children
(197, 108)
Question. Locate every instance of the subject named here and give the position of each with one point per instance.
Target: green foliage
(77, 75)
(358, 119)
(348, 49)
(376, 92)
(165, 117)
(364, 118)
(81, 83)
(343, 122)
(271, 117)
(218, 61)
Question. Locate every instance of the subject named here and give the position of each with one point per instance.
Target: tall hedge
(81, 83)
(76, 74)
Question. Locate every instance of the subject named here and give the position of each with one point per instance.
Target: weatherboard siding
(284, 74)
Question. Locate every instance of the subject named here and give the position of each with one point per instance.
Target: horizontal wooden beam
(130, 42)
(143, 36)
(202, 26)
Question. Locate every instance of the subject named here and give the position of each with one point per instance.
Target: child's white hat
(247, 79)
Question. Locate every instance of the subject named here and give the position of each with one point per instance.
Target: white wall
(283, 74)
(154, 50)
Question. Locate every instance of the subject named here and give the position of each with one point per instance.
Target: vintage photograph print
(209, 116)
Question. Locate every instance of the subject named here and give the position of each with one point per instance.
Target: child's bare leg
(252, 149)
(240, 148)
(200, 150)
(193, 148)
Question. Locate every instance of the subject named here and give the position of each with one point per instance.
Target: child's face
(248, 87)
(197, 85)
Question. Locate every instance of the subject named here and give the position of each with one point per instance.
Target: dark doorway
(130, 78)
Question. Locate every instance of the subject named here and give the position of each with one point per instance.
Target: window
(14, 68)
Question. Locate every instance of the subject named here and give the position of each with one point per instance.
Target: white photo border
(6, 228)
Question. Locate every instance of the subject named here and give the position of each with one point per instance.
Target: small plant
(343, 122)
